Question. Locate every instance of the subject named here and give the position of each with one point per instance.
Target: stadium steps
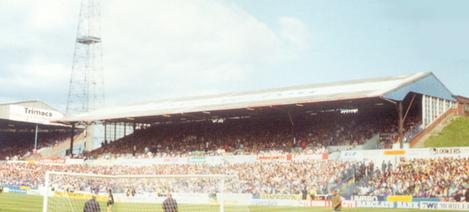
(371, 143)
(434, 128)
(59, 148)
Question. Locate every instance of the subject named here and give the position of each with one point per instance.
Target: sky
(155, 49)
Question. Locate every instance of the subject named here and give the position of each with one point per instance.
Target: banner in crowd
(287, 203)
(386, 155)
(299, 203)
(273, 157)
(414, 205)
(16, 189)
(79, 195)
(425, 199)
(281, 196)
(52, 160)
(211, 160)
(444, 206)
(197, 159)
(368, 198)
(386, 204)
(73, 161)
(236, 159)
(310, 157)
(399, 198)
(394, 152)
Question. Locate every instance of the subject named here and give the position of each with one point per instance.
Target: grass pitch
(453, 135)
(10, 202)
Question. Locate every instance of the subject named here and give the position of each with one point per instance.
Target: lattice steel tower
(86, 91)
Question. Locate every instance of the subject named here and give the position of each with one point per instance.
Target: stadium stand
(248, 136)
(19, 123)
(295, 143)
(21, 144)
(334, 116)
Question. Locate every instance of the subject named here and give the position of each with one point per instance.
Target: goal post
(67, 191)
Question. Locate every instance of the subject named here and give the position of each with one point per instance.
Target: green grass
(454, 135)
(11, 202)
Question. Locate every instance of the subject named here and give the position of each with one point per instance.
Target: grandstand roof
(394, 88)
(29, 113)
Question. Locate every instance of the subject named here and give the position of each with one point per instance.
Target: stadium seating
(254, 136)
(19, 144)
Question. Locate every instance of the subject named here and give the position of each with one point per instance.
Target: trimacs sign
(32, 114)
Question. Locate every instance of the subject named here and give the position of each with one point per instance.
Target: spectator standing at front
(467, 195)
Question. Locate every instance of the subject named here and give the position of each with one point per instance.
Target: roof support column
(292, 128)
(410, 106)
(133, 131)
(401, 117)
(72, 133)
(134, 148)
(35, 139)
(105, 133)
(400, 124)
(125, 129)
(115, 129)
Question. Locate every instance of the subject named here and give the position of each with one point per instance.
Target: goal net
(75, 192)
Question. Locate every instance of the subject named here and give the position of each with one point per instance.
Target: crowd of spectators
(446, 179)
(389, 132)
(253, 136)
(19, 144)
(255, 178)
